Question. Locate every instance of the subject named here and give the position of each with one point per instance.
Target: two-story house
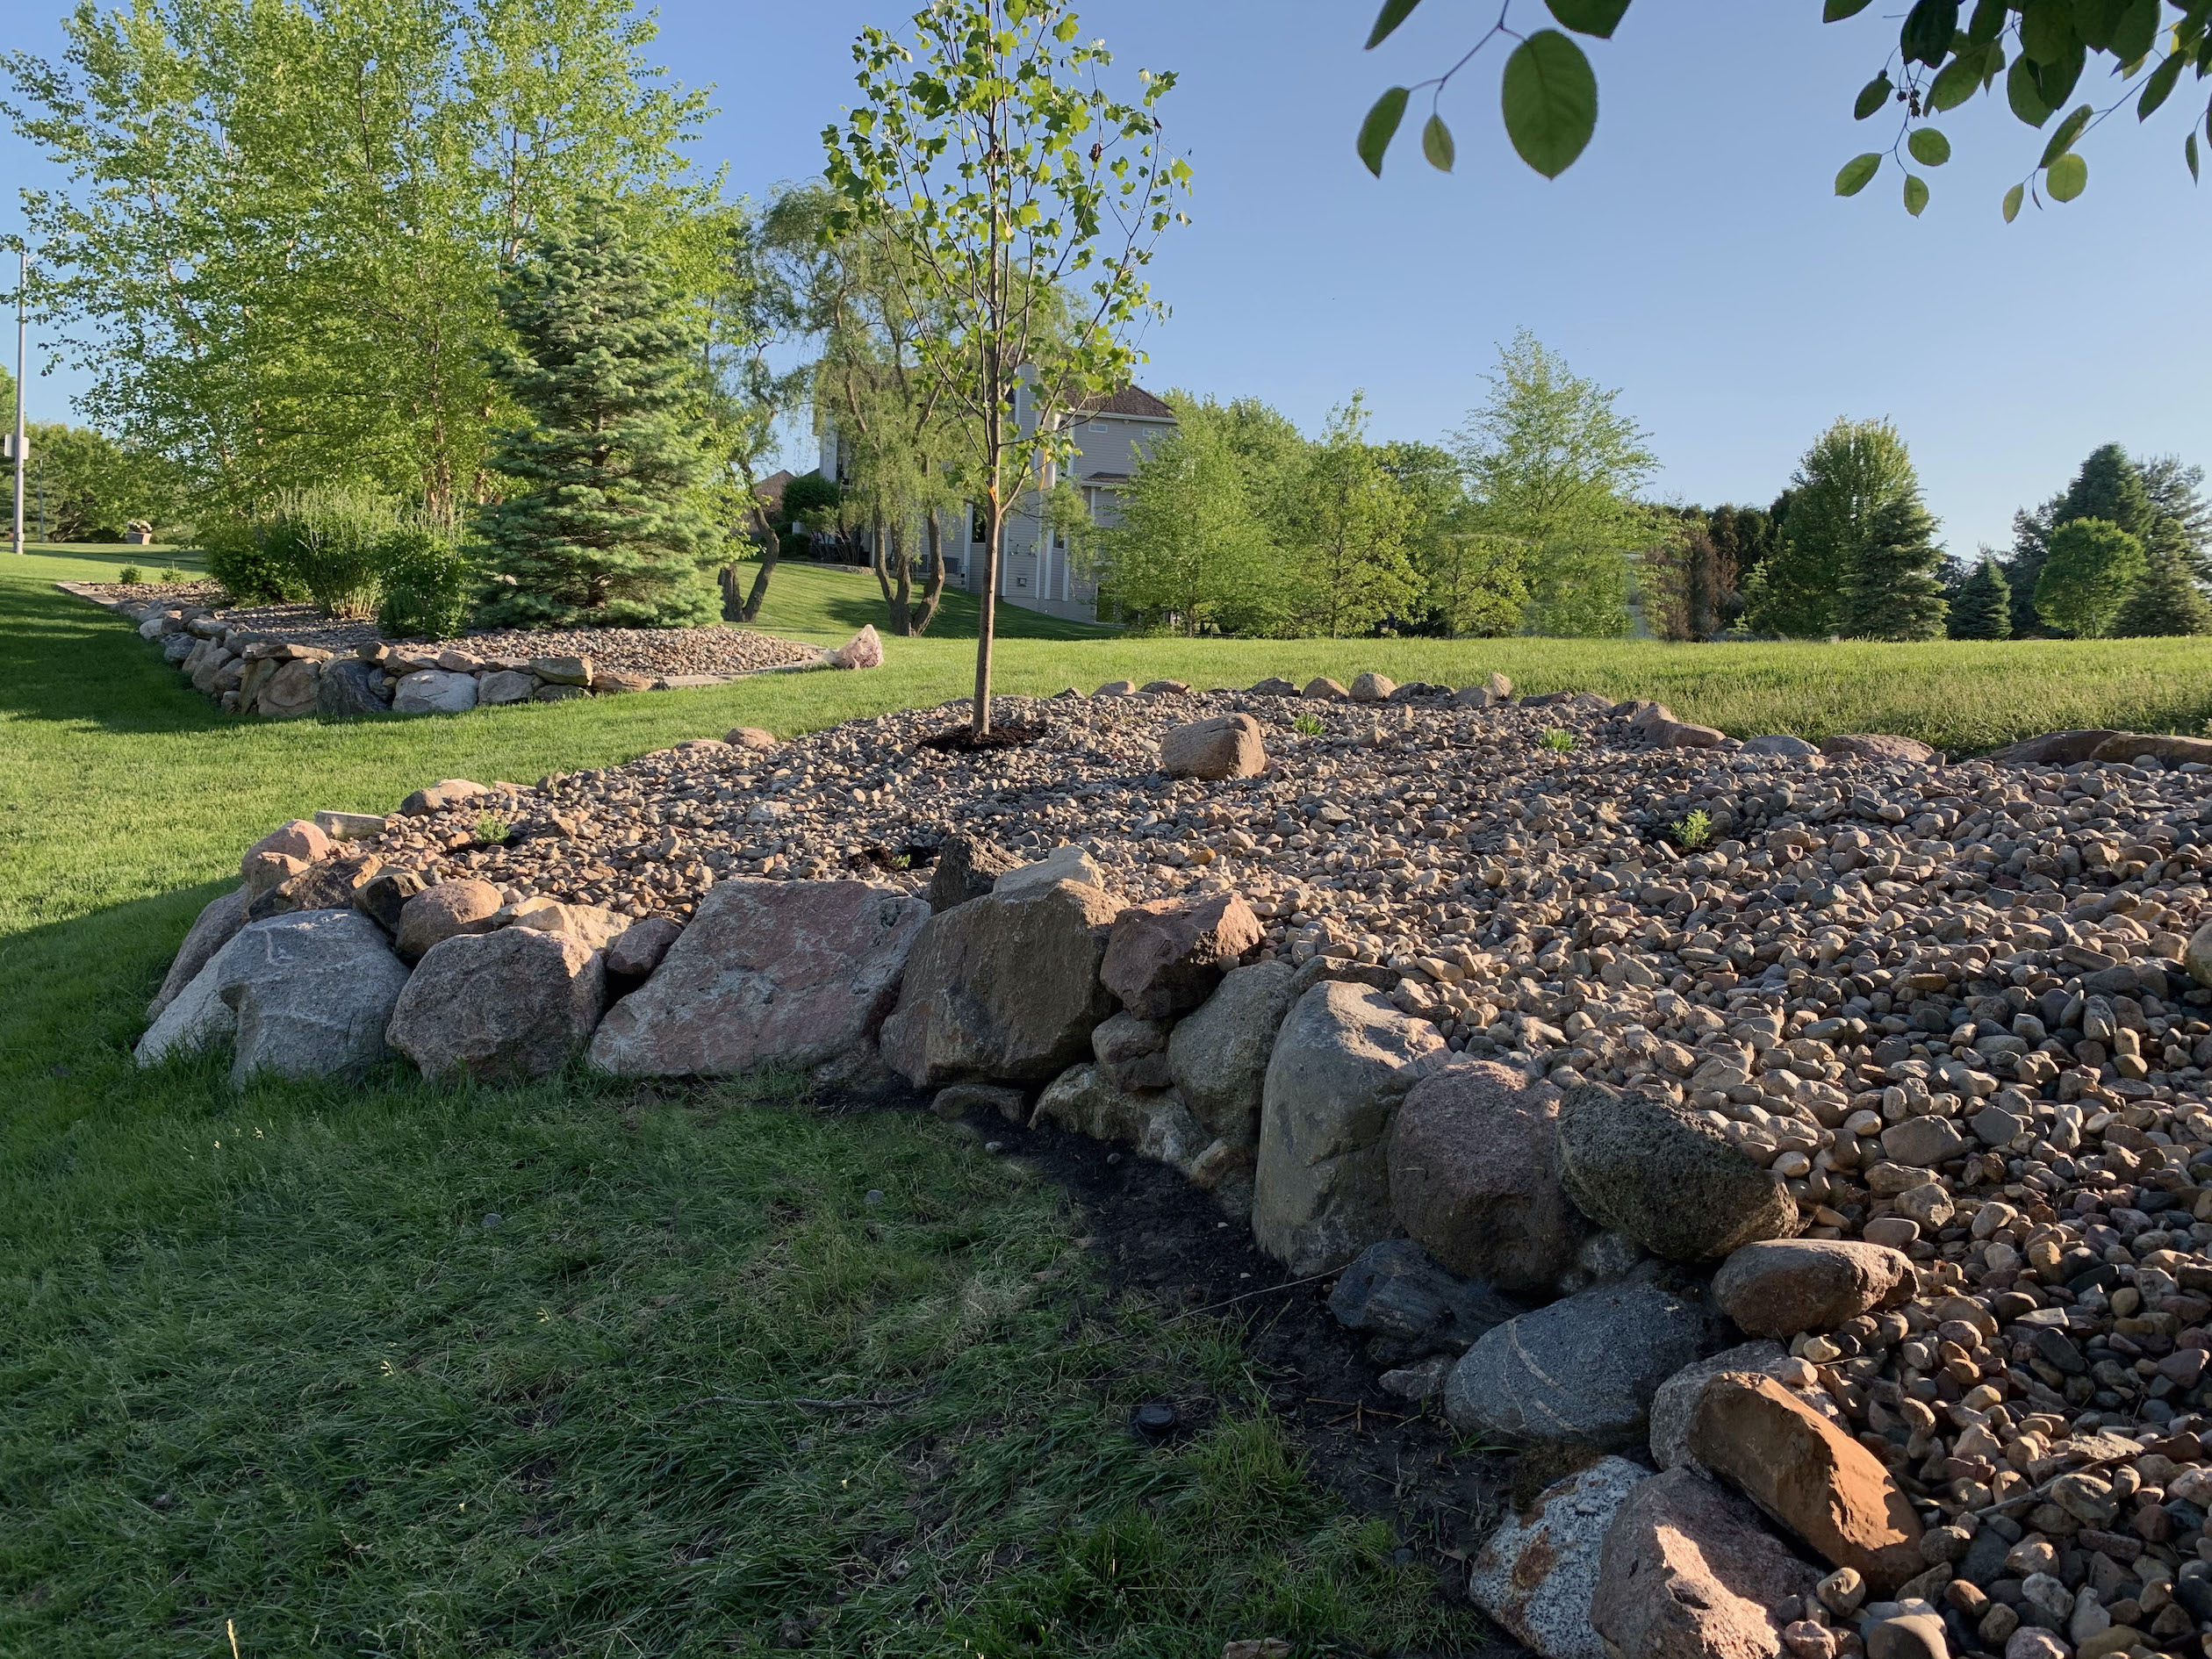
(1112, 435)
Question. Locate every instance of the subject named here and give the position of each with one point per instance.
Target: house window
(978, 528)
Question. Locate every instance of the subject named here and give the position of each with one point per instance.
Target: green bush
(332, 543)
(248, 571)
(429, 586)
(128, 575)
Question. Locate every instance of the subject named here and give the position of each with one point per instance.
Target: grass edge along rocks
(1825, 1130)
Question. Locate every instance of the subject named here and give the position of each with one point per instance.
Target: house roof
(1129, 400)
(769, 491)
(1105, 477)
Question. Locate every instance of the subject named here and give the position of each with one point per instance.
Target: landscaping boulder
(594, 925)
(1779, 744)
(505, 687)
(1396, 1292)
(1273, 687)
(639, 948)
(216, 926)
(434, 691)
(754, 738)
(1343, 1060)
(1166, 957)
(328, 886)
(1082, 1100)
(312, 992)
(499, 1006)
(1323, 689)
(1538, 1574)
(1654, 1170)
(194, 1017)
(384, 898)
(1675, 1405)
(960, 1099)
(437, 914)
(966, 867)
(1582, 1370)
(291, 692)
(1777, 1287)
(1688, 1571)
(2053, 749)
(562, 671)
(442, 796)
(1808, 1475)
(797, 975)
(350, 687)
(1069, 863)
(1372, 688)
(266, 872)
(1131, 1053)
(1219, 746)
(299, 839)
(1004, 988)
(1217, 1055)
(1877, 746)
(2129, 746)
(1474, 1167)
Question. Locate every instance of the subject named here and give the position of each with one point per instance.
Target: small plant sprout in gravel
(1560, 741)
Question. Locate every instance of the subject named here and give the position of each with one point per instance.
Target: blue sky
(1694, 258)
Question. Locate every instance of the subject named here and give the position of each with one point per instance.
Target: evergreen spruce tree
(2109, 486)
(1983, 609)
(606, 522)
(2165, 598)
(1893, 591)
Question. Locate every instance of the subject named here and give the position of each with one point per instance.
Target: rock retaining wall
(250, 673)
(1851, 1233)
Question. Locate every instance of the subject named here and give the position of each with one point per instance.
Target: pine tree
(1893, 591)
(1983, 609)
(2109, 486)
(608, 523)
(2166, 600)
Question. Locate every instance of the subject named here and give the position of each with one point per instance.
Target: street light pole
(23, 288)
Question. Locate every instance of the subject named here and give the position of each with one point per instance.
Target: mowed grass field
(267, 1367)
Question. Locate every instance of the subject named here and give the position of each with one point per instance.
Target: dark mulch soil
(962, 740)
(1154, 1234)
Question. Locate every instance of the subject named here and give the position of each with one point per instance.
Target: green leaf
(1858, 173)
(2097, 21)
(1380, 127)
(1956, 81)
(1393, 13)
(2189, 154)
(2047, 32)
(1916, 194)
(2067, 177)
(2069, 130)
(1550, 101)
(2013, 200)
(2159, 87)
(1872, 96)
(2138, 31)
(1436, 144)
(1836, 10)
(1988, 21)
(1925, 37)
(1599, 18)
(2021, 92)
(1929, 147)
(2056, 80)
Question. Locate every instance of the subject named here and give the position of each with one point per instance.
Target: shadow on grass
(71, 660)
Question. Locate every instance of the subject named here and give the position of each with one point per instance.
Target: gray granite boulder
(1217, 1054)
(1656, 1171)
(350, 687)
(499, 1006)
(1582, 1370)
(1396, 1291)
(218, 925)
(312, 992)
(1538, 1574)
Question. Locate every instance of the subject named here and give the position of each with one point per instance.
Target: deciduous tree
(1189, 551)
(1351, 566)
(2086, 576)
(1854, 470)
(1028, 200)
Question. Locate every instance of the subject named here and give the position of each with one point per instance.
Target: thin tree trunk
(894, 597)
(986, 615)
(933, 583)
(901, 615)
(771, 550)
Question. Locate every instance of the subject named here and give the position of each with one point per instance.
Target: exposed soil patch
(962, 740)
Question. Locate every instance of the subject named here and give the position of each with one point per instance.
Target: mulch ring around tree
(962, 740)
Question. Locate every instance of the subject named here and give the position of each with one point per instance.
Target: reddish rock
(1777, 1287)
(266, 872)
(499, 1006)
(1877, 746)
(792, 974)
(638, 949)
(298, 839)
(328, 886)
(1689, 1571)
(752, 738)
(595, 926)
(864, 650)
(439, 912)
(1165, 958)
(441, 797)
(1474, 1164)
(1808, 1475)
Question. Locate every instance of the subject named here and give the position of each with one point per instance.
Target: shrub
(128, 575)
(429, 586)
(246, 569)
(332, 543)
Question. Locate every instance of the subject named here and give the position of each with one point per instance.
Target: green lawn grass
(260, 1361)
(266, 1368)
(813, 602)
